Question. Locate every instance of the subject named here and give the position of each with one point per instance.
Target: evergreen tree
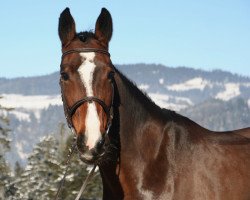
(40, 177)
(46, 166)
(5, 175)
(4, 130)
(18, 170)
(77, 173)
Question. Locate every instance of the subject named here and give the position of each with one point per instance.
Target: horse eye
(64, 76)
(111, 75)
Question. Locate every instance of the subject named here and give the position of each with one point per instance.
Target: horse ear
(104, 27)
(66, 28)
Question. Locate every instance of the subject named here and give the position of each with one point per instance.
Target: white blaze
(92, 122)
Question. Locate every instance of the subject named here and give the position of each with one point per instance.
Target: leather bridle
(80, 50)
(70, 111)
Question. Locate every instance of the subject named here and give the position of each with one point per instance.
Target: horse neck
(135, 106)
(132, 110)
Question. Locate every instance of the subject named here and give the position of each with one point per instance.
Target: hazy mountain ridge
(148, 73)
(218, 115)
(194, 85)
(37, 85)
(161, 79)
(213, 99)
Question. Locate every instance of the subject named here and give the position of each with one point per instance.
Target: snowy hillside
(194, 93)
(174, 88)
(25, 104)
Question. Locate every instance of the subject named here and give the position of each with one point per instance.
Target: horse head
(87, 82)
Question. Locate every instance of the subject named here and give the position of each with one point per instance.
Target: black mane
(147, 101)
(133, 88)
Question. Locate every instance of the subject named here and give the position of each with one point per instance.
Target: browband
(79, 50)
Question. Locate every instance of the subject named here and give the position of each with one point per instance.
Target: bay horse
(142, 150)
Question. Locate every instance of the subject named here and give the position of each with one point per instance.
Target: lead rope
(90, 175)
(72, 150)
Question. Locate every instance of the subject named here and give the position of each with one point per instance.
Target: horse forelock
(85, 35)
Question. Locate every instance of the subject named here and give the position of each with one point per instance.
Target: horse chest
(145, 181)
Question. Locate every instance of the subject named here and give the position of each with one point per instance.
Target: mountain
(216, 99)
(183, 86)
(218, 115)
(37, 85)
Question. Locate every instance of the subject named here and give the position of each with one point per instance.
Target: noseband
(70, 111)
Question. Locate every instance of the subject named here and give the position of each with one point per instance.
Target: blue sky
(200, 34)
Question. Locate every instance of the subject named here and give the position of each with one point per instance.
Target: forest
(45, 168)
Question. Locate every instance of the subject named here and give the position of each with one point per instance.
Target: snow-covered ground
(20, 151)
(23, 104)
(144, 87)
(195, 83)
(170, 102)
(231, 90)
(29, 102)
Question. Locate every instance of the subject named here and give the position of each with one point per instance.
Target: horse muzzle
(90, 156)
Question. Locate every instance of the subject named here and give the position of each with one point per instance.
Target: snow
(158, 96)
(46, 138)
(155, 72)
(160, 100)
(20, 151)
(161, 81)
(176, 103)
(231, 90)
(29, 102)
(70, 177)
(34, 103)
(143, 86)
(21, 116)
(28, 167)
(184, 99)
(195, 83)
(246, 84)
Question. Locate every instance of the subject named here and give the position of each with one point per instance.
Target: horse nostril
(80, 143)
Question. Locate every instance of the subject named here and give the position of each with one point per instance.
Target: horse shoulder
(206, 164)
